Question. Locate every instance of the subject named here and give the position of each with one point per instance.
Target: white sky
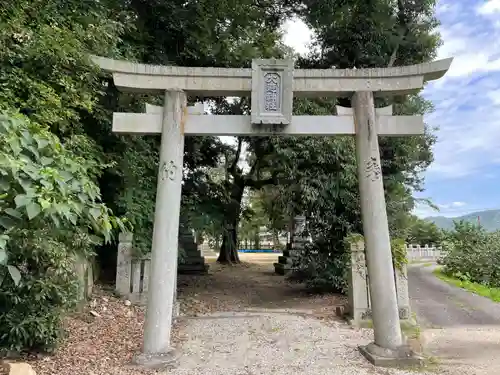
(297, 35)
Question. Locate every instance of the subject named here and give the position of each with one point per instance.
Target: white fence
(426, 252)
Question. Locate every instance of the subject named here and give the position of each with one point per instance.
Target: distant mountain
(490, 220)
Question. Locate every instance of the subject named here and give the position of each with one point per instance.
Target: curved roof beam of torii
(136, 77)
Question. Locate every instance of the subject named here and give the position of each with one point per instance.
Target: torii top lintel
(144, 78)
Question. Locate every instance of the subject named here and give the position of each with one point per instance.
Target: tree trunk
(229, 251)
(276, 240)
(256, 241)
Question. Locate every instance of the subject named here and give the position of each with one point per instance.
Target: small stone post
(387, 330)
(358, 290)
(123, 266)
(157, 351)
(401, 277)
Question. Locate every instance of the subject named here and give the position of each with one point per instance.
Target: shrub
(322, 265)
(50, 212)
(325, 266)
(472, 254)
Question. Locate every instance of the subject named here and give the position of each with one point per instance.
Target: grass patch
(476, 288)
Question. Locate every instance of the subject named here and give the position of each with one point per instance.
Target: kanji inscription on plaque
(272, 100)
(272, 92)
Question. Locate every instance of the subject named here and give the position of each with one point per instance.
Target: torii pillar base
(404, 356)
(166, 360)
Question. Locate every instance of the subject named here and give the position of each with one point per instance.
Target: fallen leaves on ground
(101, 340)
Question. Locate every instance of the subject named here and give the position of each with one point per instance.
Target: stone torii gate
(272, 85)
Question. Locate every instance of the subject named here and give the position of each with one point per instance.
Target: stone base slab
(382, 357)
(193, 269)
(282, 269)
(157, 360)
(194, 260)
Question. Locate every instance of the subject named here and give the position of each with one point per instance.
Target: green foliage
(322, 271)
(472, 254)
(423, 232)
(378, 33)
(353, 238)
(362, 35)
(50, 206)
(44, 55)
(50, 212)
(399, 255)
(324, 268)
(41, 179)
(183, 33)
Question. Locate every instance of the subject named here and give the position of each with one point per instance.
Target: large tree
(187, 33)
(359, 34)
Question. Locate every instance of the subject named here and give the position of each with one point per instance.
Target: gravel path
(439, 304)
(274, 342)
(471, 350)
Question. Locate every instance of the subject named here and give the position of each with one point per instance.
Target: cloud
(489, 7)
(451, 205)
(467, 99)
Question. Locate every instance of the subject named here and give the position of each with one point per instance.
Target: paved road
(438, 304)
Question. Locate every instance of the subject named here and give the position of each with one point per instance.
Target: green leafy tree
(363, 35)
(51, 208)
(50, 216)
(226, 34)
(423, 232)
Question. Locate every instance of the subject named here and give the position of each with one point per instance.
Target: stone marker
(296, 245)
(123, 264)
(401, 276)
(359, 307)
(360, 312)
(194, 263)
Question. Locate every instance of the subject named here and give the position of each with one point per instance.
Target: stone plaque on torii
(272, 85)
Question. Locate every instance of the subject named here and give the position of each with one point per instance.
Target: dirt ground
(104, 337)
(253, 284)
